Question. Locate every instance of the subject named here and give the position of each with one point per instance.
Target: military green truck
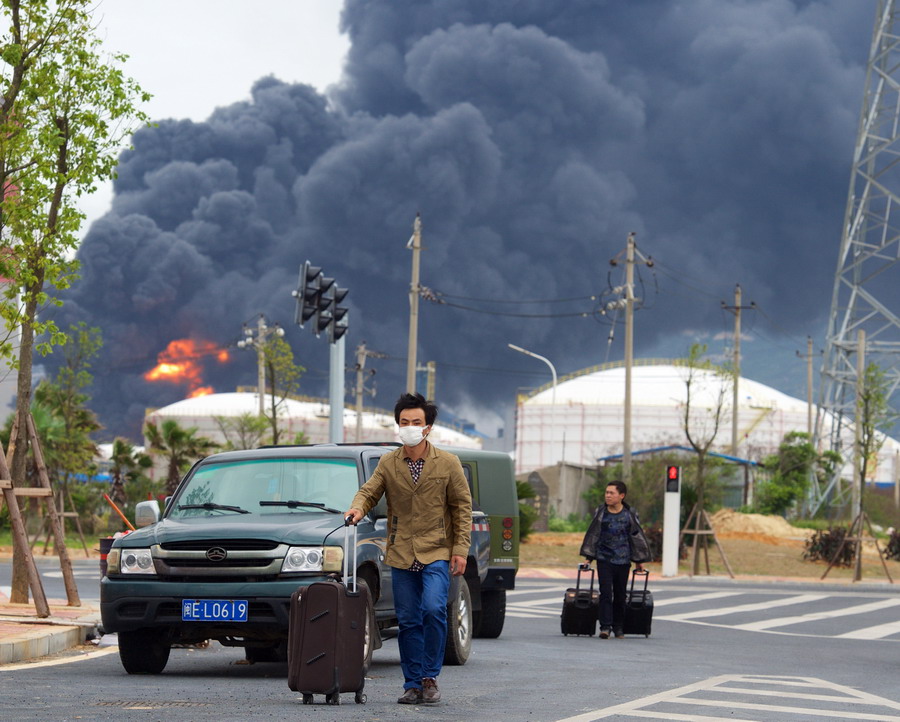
(244, 529)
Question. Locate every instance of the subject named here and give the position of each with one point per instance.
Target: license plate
(214, 610)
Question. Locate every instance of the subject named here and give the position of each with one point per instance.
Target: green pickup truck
(245, 529)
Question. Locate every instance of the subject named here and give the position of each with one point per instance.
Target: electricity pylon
(867, 283)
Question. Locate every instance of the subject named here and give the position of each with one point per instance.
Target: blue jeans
(420, 599)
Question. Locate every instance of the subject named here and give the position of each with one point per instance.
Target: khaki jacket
(428, 521)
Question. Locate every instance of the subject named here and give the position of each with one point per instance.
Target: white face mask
(412, 435)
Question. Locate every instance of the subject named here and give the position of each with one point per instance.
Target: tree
(64, 112)
(246, 431)
(701, 426)
(125, 464)
(873, 411)
(791, 468)
(180, 448)
(283, 378)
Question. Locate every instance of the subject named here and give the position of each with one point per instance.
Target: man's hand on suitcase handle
(352, 516)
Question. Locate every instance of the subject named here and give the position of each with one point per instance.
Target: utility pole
(414, 243)
(630, 252)
(735, 397)
(263, 331)
(809, 386)
(362, 353)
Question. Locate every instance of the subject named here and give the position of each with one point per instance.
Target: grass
(73, 545)
(748, 554)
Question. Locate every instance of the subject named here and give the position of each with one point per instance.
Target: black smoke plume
(532, 137)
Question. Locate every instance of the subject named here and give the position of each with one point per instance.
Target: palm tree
(179, 446)
(125, 464)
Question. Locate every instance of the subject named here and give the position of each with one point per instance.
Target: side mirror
(146, 513)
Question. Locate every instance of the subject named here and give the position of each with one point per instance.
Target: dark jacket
(640, 549)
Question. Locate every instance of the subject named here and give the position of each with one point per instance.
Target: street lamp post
(552, 371)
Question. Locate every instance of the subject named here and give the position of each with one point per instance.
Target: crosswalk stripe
(683, 717)
(813, 616)
(557, 600)
(879, 631)
(694, 598)
(798, 599)
(813, 712)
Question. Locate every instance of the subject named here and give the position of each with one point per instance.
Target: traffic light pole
(671, 521)
(338, 351)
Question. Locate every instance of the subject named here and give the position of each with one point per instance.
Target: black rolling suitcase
(638, 607)
(326, 636)
(581, 607)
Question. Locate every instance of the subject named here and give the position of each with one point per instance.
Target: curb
(29, 643)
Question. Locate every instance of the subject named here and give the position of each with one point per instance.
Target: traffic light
(308, 293)
(673, 478)
(326, 301)
(339, 321)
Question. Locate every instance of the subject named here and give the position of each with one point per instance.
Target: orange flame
(180, 363)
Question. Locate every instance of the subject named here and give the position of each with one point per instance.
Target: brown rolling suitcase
(326, 636)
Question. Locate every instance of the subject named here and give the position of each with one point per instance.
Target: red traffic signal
(673, 478)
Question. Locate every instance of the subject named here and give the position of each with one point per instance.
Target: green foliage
(247, 431)
(824, 544)
(283, 378)
(126, 464)
(873, 412)
(572, 523)
(65, 110)
(527, 513)
(179, 447)
(790, 471)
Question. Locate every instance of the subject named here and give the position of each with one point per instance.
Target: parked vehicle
(245, 529)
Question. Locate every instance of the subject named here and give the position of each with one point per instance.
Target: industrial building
(581, 419)
(295, 416)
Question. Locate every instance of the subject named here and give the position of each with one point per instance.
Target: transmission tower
(867, 283)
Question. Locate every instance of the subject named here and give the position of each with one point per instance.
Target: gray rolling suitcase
(326, 635)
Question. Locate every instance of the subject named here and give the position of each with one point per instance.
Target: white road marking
(879, 631)
(840, 696)
(62, 660)
(813, 616)
(549, 601)
(695, 598)
(798, 599)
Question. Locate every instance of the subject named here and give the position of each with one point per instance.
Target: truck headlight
(302, 559)
(313, 559)
(130, 561)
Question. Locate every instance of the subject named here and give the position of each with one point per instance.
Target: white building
(587, 419)
(309, 417)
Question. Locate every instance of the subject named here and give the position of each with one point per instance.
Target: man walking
(615, 539)
(429, 524)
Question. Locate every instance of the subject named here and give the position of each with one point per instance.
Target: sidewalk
(25, 636)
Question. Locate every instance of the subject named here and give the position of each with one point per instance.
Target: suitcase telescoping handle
(348, 542)
(585, 567)
(644, 573)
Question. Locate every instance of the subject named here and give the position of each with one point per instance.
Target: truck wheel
(489, 621)
(142, 652)
(459, 626)
(371, 630)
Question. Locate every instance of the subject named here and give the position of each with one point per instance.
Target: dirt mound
(728, 520)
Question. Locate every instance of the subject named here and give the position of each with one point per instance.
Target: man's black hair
(416, 401)
(620, 486)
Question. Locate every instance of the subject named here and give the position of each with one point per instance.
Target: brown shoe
(619, 634)
(604, 633)
(430, 691)
(411, 696)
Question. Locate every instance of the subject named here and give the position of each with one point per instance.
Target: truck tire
(489, 621)
(142, 652)
(459, 626)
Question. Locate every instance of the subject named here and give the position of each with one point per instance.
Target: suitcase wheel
(360, 698)
(333, 698)
(307, 699)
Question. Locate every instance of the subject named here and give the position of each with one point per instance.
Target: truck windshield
(321, 484)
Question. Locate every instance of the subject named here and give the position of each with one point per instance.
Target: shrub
(824, 544)
(655, 540)
(893, 546)
(572, 523)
